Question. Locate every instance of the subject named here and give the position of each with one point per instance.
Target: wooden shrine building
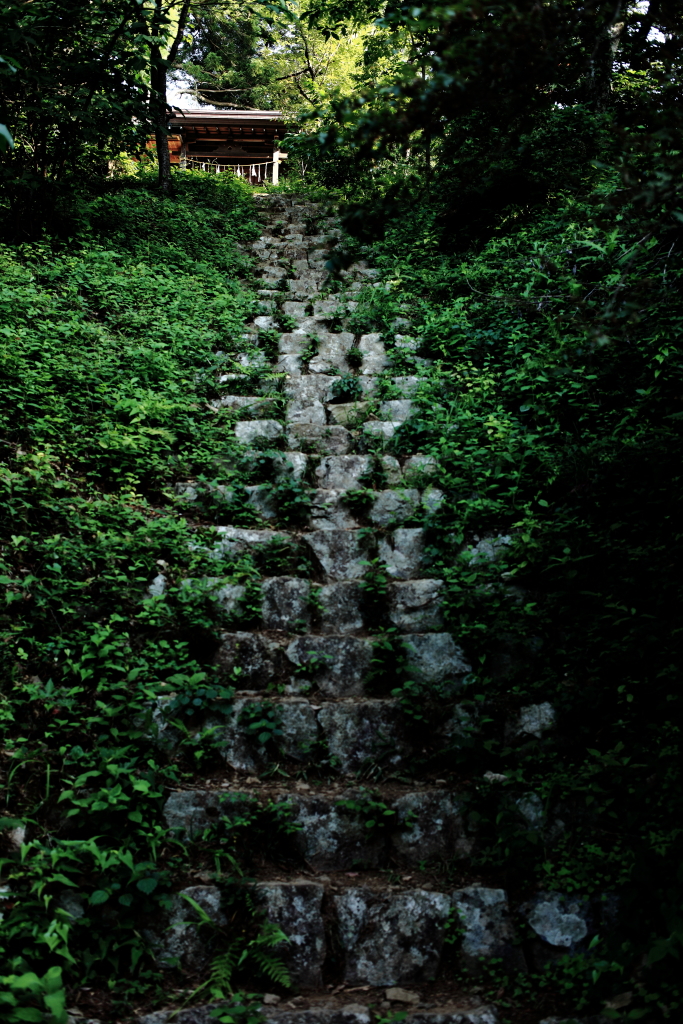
(244, 141)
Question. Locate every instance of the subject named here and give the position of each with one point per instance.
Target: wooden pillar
(183, 153)
(276, 166)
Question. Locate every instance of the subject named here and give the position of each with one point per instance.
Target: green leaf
(98, 896)
(147, 885)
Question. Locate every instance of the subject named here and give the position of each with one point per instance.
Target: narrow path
(359, 921)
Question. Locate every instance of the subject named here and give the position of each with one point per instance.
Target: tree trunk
(160, 120)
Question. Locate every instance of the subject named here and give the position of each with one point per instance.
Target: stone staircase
(332, 643)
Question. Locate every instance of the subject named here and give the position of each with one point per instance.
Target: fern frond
(272, 968)
(223, 966)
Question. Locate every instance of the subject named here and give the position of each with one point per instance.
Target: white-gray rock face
(233, 540)
(332, 352)
(342, 473)
(394, 506)
(306, 398)
(192, 810)
(485, 917)
(389, 939)
(337, 664)
(415, 606)
(432, 499)
(228, 596)
(420, 465)
(241, 749)
(331, 840)
(285, 603)
(434, 657)
(296, 908)
(349, 414)
(248, 431)
(324, 439)
(251, 405)
(365, 731)
(341, 608)
(536, 719)
(559, 920)
(329, 512)
(488, 548)
(260, 498)
(341, 553)
(292, 464)
(397, 409)
(402, 552)
(393, 473)
(432, 828)
(374, 354)
(382, 429)
(254, 655)
(182, 940)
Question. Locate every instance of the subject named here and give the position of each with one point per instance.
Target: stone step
(341, 1011)
(343, 736)
(381, 937)
(349, 829)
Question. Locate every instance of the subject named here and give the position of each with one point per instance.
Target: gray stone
(291, 464)
(415, 606)
(296, 908)
(402, 552)
(488, 548)
(349, 414)
(432, 499)
(401, 995)
(254, 656)
(260, 498)
(318, 1016)
(332, 352)
(227, 596)
(482, 1015)
(364, 731)
(408, 385)
(434, 657)
(392, 470)
(397, 409)
(406, 343)
(374, 354)
(419, 465)
(342, 553)
(485, 917)
(251, 404)
(337, 664)
(341, 608)
(318, 438)
(530, 806)
(432, 828)
(394, 506)
(299, 732)
(182, 940)
(285, 603)
(289, 363)
(329, 839)
(265, 323)
(558, 919)
(382, 429)
(342, 472)
(328, 512)
(296, 309)
(158, 586)
(233, 540)
(326, 308)
(306, 397)
(536, 719)
(192, 810)
(248, 431)
(390, 939)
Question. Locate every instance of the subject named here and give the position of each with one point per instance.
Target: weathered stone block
(419, 465)
(357, 733)
(382, 429)
(316, 437)
(485, 916)
(342, 472)
(248, 431)
(292, 464)
(432, 499)
(242, 751)
(341, 553)
(306, 398)
(182, 939)
(192, 810)
(338, 664)
(260, 498)
(329, 839)
(255, 656)
(402, 552)
(392, 470)
(435, 657)
(341, 608)
(375, 358)
(233, 540)
(349, 414)
(435, 828)
(416, 605)
(558, 919)
(296, 908)
(394, 506)
(249, 404)
(535, 720)
(332, 352)
(328, 512)
(397, 410)
(285, 603)
(391, 939)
